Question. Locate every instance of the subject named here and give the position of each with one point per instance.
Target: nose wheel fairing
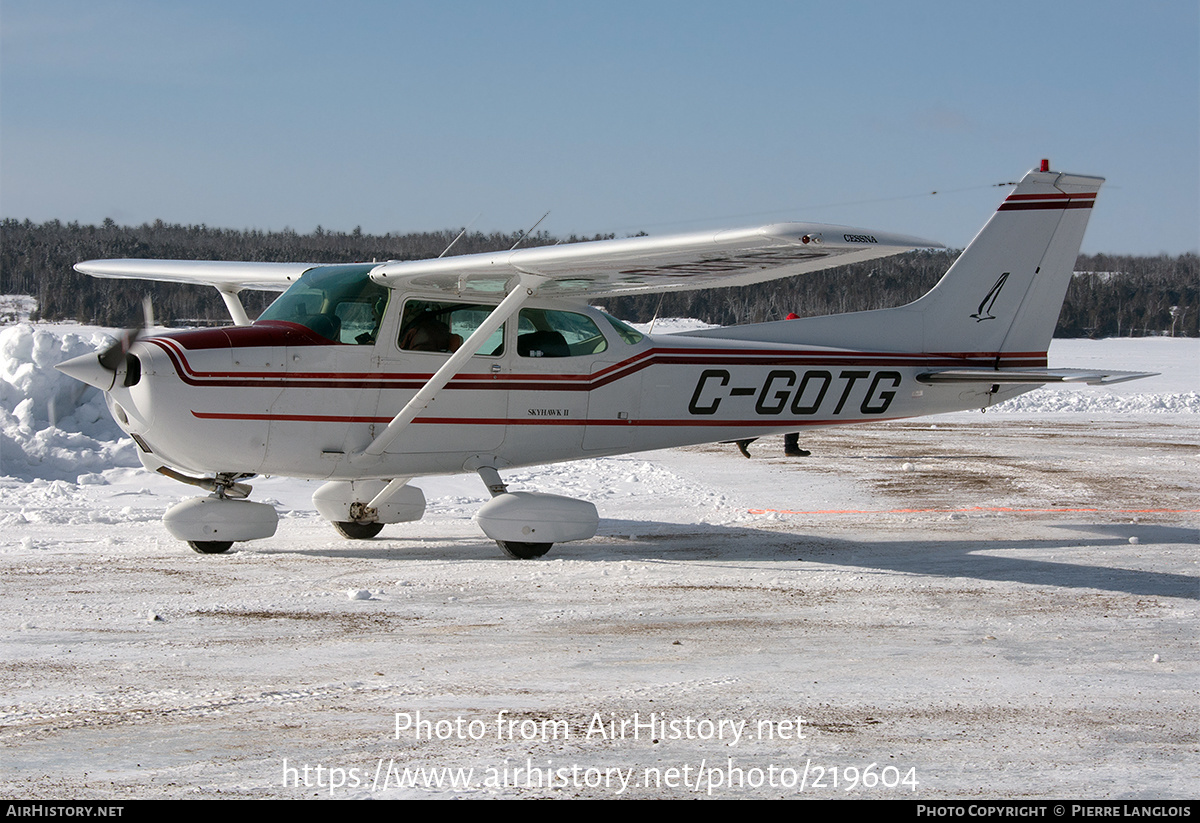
(215, 519)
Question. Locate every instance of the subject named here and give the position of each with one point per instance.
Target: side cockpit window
(440, 326)
(549, 333)
(340, 303)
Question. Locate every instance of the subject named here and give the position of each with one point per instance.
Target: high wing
(219, 274)
(635, 265)
(228, 278)
(579, 270)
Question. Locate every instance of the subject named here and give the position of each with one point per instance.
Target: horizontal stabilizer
(1088, 376)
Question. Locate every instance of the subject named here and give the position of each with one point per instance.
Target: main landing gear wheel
(358, 531)
(524, 551)
(210, 546)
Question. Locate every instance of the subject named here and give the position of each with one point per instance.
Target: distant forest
(1109, 296)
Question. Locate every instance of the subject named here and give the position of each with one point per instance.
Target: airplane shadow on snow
(652, 541)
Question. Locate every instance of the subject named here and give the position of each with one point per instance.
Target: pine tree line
(1109, 296)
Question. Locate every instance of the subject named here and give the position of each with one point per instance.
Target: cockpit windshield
(340, 303)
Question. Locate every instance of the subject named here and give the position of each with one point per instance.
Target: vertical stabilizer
(1004, 293)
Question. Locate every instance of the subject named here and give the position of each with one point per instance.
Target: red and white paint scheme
(370, 375)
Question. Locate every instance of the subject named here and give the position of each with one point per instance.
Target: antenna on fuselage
(657, 309)
(525, 234)
(466, 228)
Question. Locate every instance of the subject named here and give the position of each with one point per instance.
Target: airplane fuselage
(277, 398)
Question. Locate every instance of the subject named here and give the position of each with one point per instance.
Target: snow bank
(1098, 401)
(672, 325)
(53, 427)
(15, 308)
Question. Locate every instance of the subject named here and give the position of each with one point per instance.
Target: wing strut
(229, 293)
(525, 288)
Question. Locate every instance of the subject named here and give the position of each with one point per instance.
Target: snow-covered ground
(970, 605)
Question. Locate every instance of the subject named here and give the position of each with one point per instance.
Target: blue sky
(617, 117)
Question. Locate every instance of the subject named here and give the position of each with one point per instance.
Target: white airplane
(370, 375)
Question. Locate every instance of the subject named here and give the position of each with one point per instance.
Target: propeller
(100, 369)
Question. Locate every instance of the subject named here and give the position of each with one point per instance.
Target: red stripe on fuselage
(530, 421)
(587, 382)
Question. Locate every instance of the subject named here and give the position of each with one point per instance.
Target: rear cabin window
(435, 326)
(549, 333)
(626, 332)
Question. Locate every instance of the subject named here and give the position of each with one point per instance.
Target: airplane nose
(87, 368)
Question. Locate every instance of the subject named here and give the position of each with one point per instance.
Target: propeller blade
(114, 355)
(100, 369)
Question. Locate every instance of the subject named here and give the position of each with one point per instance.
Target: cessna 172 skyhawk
(369, 375)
